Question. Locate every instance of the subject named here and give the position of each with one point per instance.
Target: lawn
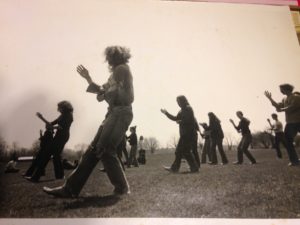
(269, 189)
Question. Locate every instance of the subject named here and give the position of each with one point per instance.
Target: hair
(65, 106)
(183, 100)
(116, 55)
(286, 87)
(212, 117)
(240, 112)
(274, 115)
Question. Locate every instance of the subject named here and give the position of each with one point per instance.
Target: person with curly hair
(187, 130)
(62, 125)
(290, 105)
(216, 137)
(118, 93)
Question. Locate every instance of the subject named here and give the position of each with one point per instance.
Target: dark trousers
(243, 148)
(279, 138)
(217, 142)
(104, 148)
(183, 150)
(132, 157)
(206, 151)
(35, 163)
(195, 149)
(290, 131)
(121, 149)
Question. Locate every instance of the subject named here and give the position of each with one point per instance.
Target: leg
(240, 152)
(278, 137)
(221, 150)
(245, 146)
(290, 132)
(187, 153)
(214, 158)
(195, 150)
(178, 156)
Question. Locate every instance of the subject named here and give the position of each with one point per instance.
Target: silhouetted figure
(62, 125)
(132, 139)
(187, 130)
(291, 106)
(142, 152)
(206, 147)
(118, 93)
(279, 135)
(216, 137)
(243, 127)
(43, 152)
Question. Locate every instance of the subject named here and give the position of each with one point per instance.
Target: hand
(163, 111)
(268, 120)
(39, 115)
(83, 72)
(268, 95)
(100, 97)
(231, 121)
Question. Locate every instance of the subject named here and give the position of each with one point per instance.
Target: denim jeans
(243, 148)
(290, 131)
(104, 148)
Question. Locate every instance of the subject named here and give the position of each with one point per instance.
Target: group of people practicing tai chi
(118, 92)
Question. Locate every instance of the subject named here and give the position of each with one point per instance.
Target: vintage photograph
(149, 110)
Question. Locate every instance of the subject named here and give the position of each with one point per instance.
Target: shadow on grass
(96, 201)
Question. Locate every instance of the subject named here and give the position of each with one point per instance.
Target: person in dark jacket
(62, 125)
(187, 130)
(216, 137)
(132, 139)
(243, 128)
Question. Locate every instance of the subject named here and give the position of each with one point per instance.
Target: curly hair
(116, 55)
(65, 106)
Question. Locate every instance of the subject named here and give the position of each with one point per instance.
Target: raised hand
(268, 120)
(163, 111)
(268, 94)
(39, 115)
(231, 121)
(83, 72)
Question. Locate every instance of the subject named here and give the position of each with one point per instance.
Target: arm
(272, 127)
(171, 117)
(40, 116)
(275, 104)
(236, 127)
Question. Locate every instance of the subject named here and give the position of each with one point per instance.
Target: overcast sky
(221, 56)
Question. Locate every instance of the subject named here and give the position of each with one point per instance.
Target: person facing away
(243, 128)
(206, 147)
(132, 139)
(118, 93)
(62, 125)
(187, 130)
(216, 136)
(279, 135)
(290, 105)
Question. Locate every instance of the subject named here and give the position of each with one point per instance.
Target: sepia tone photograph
(142, 112)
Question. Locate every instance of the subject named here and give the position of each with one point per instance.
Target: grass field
(269, 189)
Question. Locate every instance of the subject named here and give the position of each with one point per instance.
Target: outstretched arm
(171, 117)
(40, 116)
(236, 127)
(84, 73)
(269, 96)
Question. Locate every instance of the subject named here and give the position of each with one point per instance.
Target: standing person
(291, 106)
(118, 93)
(279, 135)
(216, 137)
(132, 139)
(187, 129)
(246, 140)
(142, 151)
(206, 147)
(62, 125)
(195, 144)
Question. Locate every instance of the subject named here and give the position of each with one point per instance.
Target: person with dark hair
(62, 125)
(291, 106)
(279, 135)
(243, 127)
(118, 93)
(206, 146)
(187, 129)
(132, 139)
(216, 137)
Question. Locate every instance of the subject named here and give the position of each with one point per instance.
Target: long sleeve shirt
(187, 121)
(243, 126)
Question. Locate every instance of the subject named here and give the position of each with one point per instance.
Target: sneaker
(237, 163)
(252, 163)
(59, 192)
(31, 179)
(125, 191)
(170, 169)
(293, 164)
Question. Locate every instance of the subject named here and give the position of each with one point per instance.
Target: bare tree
(151, 143)
(261, 139)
